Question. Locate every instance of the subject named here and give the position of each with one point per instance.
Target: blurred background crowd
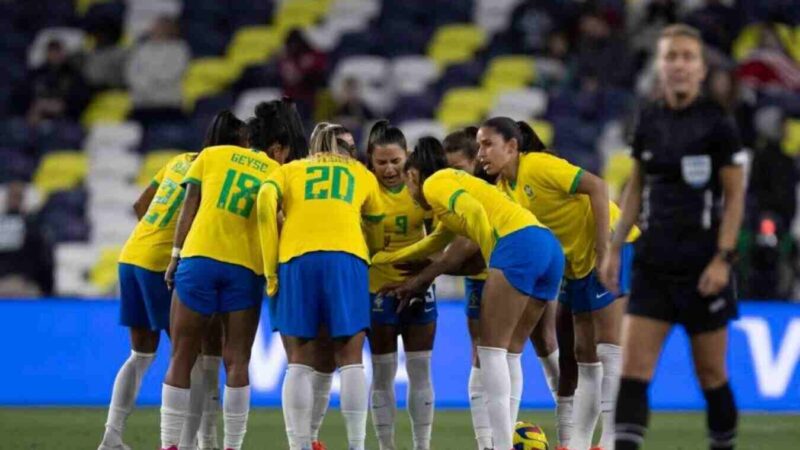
(98, 94)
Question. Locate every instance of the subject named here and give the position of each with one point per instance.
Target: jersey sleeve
(159, 176)
(195, 173)
(372, 213)
(430, 244)
(725, 143)
(269, 197)
(559, 174)
(635, 138)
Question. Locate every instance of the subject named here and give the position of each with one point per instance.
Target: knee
(637, 368)
(711, 375)
(585, 352)
(144, 341)
(544, 344)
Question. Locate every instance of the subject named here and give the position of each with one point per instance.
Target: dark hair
(269, 127)
(297, 133)
(383, 133)
(464, 140)
(344, 145)
(428, 157)
(527, 139)
(225, 129)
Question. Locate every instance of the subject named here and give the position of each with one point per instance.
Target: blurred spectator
(724, 88)
(302, 70)
(770, 66)
(717, 22)
(552, 68)
(351, 111)
(532, 21)
(645, 28)
(56, 89)
(155, 72)
(602, 53)
(104, 67)
(26, 255)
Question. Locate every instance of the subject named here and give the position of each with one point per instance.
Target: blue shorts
(330, 288)
(144, 298)
(208, 286)
(532, 261)
(588, 294)
(384, 310)
(473, 290)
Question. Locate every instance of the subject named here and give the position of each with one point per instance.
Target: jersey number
(242, 200)
(323, 186)
(167, 188)
(401, 222)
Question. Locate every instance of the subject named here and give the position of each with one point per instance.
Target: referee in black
(687, 194)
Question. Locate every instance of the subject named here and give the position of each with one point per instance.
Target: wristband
(728, 255)
(176, 252)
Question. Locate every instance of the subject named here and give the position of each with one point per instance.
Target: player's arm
(430, 244)
(476, 221)
(597, 190)
(143, 202)
(269, 197)
(372, 214)
(191, 204)
(631, 204)
(451, 261)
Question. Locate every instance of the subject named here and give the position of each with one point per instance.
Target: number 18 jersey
(225, 227)
(150, 244)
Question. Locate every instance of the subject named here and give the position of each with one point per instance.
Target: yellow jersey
(468, 206)
(546, 186)
(150, 244)
(329, 203)
(403, 225)
(225, 227)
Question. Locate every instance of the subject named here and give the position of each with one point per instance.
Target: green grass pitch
(67, 429)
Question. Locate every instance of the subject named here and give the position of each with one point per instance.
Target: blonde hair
(325, 142)
(681, 30)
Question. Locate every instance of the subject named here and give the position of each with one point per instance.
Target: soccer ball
(528, 436)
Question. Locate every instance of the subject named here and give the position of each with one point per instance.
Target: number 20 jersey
(150, 244)
(324, 199)
(225, 227)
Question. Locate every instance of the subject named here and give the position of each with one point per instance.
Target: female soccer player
(525, 263)
(319, 273)
(404, 224)
(145, 298)
(220, 272)
(574, 205)
(686, 188)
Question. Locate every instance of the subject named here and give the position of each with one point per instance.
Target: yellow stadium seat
(750, 36)
(497, 85)
(81, 6)
(299, 14)
(107, 107)
(152, 163)
(103, 275)
(452, 117)
(544, 130)
(254, 39)
(512, 66)
(62, 170)
(207, 76)
(444, 55)
(791, 137)
(467, 98)
(455, 43)
(617, 171)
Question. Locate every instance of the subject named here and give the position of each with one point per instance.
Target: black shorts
(676, 300)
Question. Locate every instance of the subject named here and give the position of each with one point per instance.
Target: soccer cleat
(318, 445)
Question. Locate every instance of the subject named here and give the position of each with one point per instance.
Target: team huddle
(347, 251)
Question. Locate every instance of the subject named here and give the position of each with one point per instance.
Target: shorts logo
(528, 190)
(717, 305)
(378, 303)
(696, 170)
(601, 295)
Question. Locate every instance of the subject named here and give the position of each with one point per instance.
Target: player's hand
(609, 271)
(411, 268)
(272, 286)
(714, 278)
(169, 276)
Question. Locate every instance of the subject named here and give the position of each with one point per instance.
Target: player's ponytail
(428, 157)
(530, 140)
(225, 129)
(383, 133)
(268, 127)
(294, 125)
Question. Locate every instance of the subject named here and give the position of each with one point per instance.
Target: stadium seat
(82, 6)
(544, 130)
(247, 101)
(103, 274)
(125, 135)
(493, 15)
(60, 170)
(415, 129)
(616, 172)
(512, 67)
(455, 43)
(151, 164)
(71, 38)
(373, 76)
(467, 98)
(122, 167)
(299, 14)
(521, 104)
(410, 107)
(72, 262)
(324, 37)
(453, 118)
(207, 76)
(141, 14)
(60, 134)
(413, 74)
(108, 107)
(750, 36)
(252, 45)
(790, 144)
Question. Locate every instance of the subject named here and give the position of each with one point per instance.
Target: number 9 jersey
(150, 244)
(225, 227)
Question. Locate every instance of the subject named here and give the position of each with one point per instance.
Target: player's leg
(519, 338)
(418, 344)
(545, 343)
(383, 404)
(607, 327)
(642, 339)
(353, 403)
(210, 360)
(324, 366)
(144, 343)
(297, 394)
(709, 352)
(477, 396)
(568, 372)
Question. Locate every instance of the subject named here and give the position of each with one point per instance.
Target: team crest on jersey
(528, 190)
(696, 170)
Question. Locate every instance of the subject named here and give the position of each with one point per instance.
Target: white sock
(497, 385)
(321, 384)
(174, 408)
(586, 408)
(298, 400)
(384, 404)
(477, 407)
(196, 400)
(611, 357)
(235, 408)
(420, 397)
(515, 376)
(208, 423)
(551, 371)
(564, 424)
(123, 396)
(353, 403)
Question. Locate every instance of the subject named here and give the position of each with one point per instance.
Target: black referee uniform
(680, 153)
